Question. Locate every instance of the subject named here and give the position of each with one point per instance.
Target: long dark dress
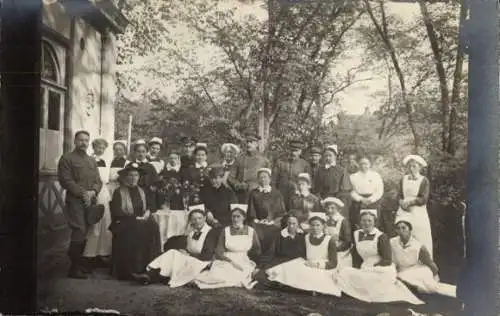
(270, 206)
(135, 242)
(197, 177)
(218, 201)
(285, 249)
(334, 182)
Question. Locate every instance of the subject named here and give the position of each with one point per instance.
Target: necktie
(196, 235)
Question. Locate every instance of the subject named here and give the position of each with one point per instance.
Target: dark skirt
(267, 236)
(135, 244)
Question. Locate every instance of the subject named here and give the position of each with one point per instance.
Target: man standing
(79, 176)
(287, 170)
(188, 146)
(315, 161)
(248, 166)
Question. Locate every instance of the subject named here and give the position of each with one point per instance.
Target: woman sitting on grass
(288, 245)
(179, 267)
(373, 275)
(414, 264)
(315, 271)
(233, 266)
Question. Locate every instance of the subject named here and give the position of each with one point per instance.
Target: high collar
(302, 195)
(169, 167)
(204, 229)
(80, 152)
(285, 233)
(414, 178)
(328, 166)
(226, 163)
(97, 158)
(202, 165)
(265, 189)
(337, 217)
(141, 161)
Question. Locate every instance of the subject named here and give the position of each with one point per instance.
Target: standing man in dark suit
(315, 153)
(79, 176)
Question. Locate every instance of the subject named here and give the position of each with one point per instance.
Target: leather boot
(75, 253)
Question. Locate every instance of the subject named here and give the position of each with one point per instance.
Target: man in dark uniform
(79, 176)
(248, 166)
(286, 171)
(315, 161)
(187, 157)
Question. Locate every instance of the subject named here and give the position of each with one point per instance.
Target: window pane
(54, 110)
(42, 107)
(49, 66)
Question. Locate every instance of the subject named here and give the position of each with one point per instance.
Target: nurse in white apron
(338, 227)
(373, 275)
(315, 272)
(414, 264)
(99, 236)
(118, 163)
(233, 266)
(414, 192)
(153, 155)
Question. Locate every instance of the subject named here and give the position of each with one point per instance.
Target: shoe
(142, 278)
(76, 273)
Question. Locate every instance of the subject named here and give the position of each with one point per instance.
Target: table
(171, 223)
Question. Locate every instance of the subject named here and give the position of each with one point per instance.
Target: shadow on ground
(56, 291)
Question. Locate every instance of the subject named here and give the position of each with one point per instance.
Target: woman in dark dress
(288, 244)
(171, 192)
(149, 177)
(196, 175)
(265, 211)
(303, 201)
(136, 236)
(181, 266)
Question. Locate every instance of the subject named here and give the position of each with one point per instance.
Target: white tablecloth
(171, 222)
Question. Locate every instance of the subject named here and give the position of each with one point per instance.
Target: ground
(57, 291)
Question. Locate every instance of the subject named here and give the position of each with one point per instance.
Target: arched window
(50, 69)
(52, 96)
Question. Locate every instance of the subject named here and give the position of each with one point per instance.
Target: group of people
(309, 225)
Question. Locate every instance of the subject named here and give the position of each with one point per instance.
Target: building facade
(77, 87)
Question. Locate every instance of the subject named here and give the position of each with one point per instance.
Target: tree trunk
(382, 30)
(457, 84)
(441, 73)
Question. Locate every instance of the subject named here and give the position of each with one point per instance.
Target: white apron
(179, 267)
(413, 272)
(159, 165)
(344, 258)
(223, 273)
(113, 183)
(99, 236)
(373, 284)
(296, 274)
(419, 216)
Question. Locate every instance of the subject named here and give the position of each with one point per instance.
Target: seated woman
(413, 262)
(136, 236)
(182, 266)
(373, 275)
(288, 245)
(265, 211)
(316, 271)
(338, 227)
(303, 201)
(233, 266)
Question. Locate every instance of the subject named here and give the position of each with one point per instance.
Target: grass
(101, 291)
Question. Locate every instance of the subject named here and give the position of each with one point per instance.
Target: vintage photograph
(266, 157)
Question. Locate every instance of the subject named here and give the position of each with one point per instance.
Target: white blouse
(367, 183)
